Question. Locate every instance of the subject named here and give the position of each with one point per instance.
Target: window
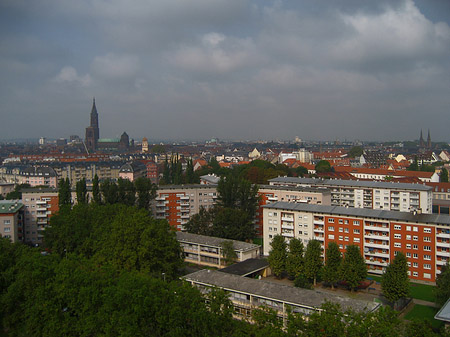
(415, 256)
(270, 229)
(426, 266)
(415, 265)
(427, 239)
(415, 247)
(7, 229)
(330, 220)
(397, 236)
(341, 221)
(408, 254)
(427, 257)
(415, 229)
(409, 264)
(346, 222)
(341, 229)
(397, 227)
(408, 228)
(356, 222)
(408, 237)
(357, 240)
(426, 275)
(356, 231)
(275, 214)
(345, 230)
(331, 236)
(408, 246)
(341, 237)
(270, 214)
(427, 248)
(270, 236)
(427, 230)
(416, 274)
(7, 222)
(331, 228)
(346, 238)
(415, 238)
(397, 245)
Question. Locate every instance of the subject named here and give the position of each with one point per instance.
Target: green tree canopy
(395, 281)
(353, 267)
(333, 260)
(96, 195)
(313, 260)
(277, 255)
(323, 166)
(355, 151)
(442, 289)
(81, 190)
(444, 175)
(295, 260)
(64, 193)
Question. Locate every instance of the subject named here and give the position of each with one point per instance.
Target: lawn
(420, 291)
(424, 312)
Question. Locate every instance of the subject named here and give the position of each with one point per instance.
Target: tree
(353, 267)
(17, 194)
(234, 224)
(202, 222)
(301, 171)
(277, 255)
(126, 192)
(442, 289)
(110, 192)
(146, 192)
(323, 166)
(333, 261)
(313, 260)
(355, 151)
(81, 190)
(96, 196)
(64, 193)
(444, 175)
(295, 260)
(395, 281)
(228, 252)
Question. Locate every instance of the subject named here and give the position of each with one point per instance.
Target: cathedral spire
(429, 140)
(421, 141)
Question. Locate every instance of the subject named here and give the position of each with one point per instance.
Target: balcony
(442, 244)
(443, 235)
(376, 245)
(376, 228)
(184, 204)
(285, 218)
(160, 198)
(377, 236)
(441, 263)
(272, 198)
(41, 202)
(442, 253)
(41, 215)
(376, 262)
(288, 234)
(318, 237)
(319, 222)
(319, 230)
(185, 197)
(41, 209)
(287, 226)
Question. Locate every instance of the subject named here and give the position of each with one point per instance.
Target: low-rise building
(6, 188)
(248, 294)
(208, 251)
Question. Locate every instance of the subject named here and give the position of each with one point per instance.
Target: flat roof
(276, 291)
(444, 313)
(352, 183)
(213, 241)
(246, 267)
(363, 212)
(10, 206)
(180, 187)
(321, 190)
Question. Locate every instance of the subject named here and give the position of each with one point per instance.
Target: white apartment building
(368, 194)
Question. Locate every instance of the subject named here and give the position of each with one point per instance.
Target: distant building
(92, 131)
(144, 145)
(40, 205)
(6, 188)
(133, 170)
(11, 220)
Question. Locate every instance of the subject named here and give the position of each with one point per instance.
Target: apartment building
(208, 251)
(424, 238)
(133, 171)
(11, 220)
(6, 188)
(40, 205)
(177, 203)
(369, 194)
(248, 294)
(271, 193)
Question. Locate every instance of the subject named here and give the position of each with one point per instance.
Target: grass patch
(423, 292)
(420, 291)
(424, 312)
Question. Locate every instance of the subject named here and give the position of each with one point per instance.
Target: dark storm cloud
(227, 68)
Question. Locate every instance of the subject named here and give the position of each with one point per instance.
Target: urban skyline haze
(232, 69)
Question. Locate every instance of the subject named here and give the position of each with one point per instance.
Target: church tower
(421, 141)
(92, 131)
(429, 140)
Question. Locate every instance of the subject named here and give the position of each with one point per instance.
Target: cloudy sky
(232, 69)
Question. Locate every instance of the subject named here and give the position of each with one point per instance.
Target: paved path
(429, 304)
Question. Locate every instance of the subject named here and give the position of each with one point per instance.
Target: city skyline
(226, 69)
